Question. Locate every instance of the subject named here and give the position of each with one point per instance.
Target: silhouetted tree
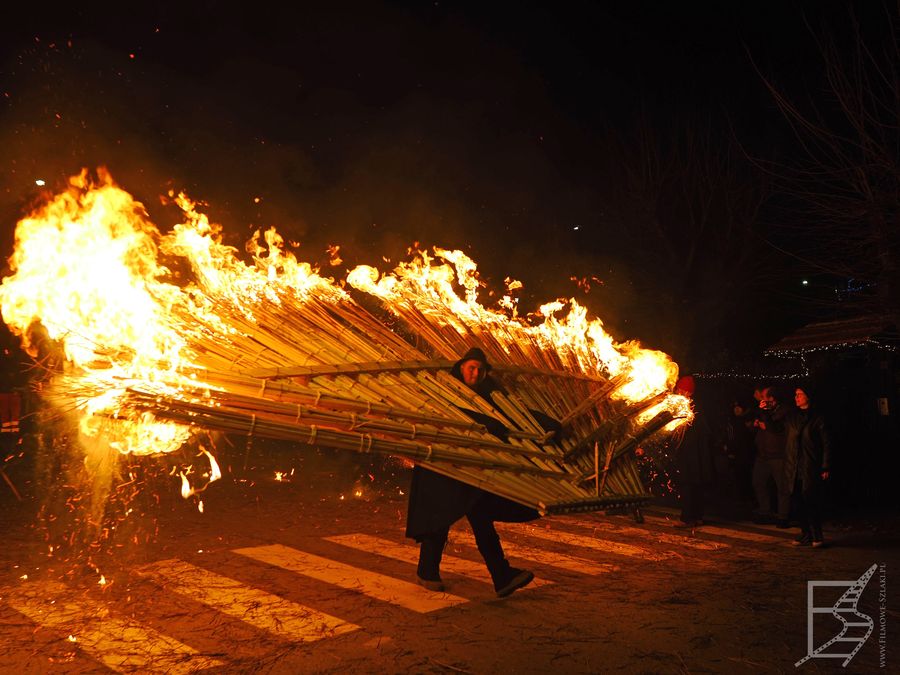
(842, 192)
(691, 211)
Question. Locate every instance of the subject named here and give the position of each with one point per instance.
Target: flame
(214, 472)
(87, 267)
(581, 343)
(186, 489)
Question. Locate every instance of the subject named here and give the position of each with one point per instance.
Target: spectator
(694, 461)
(769, 464)
(738, 439)
(806, 465)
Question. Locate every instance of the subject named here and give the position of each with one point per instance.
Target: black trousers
(808, 501)
(693, 498)
(481, 518)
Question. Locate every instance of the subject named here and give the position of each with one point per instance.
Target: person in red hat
(437, 501)
(694, 461)
(686, 386)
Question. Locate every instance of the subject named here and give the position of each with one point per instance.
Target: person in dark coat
(769, 465)
(437, 501)
(694, 459)
(807, 463)
(738, 438)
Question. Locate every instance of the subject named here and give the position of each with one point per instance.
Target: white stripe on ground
(559, 560)
(724, 531)
(121, 644)
(643, 533)
(379, 586)
(594, 543)
(410, 554)
(286, 619)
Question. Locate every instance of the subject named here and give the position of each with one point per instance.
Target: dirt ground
(728, 597)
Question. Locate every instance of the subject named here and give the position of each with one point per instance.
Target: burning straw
(273, 350)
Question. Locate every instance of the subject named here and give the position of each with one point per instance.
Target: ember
(273, 350)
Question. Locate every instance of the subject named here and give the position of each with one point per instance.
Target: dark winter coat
(437, 501)
(808, 448)
(770, 441)
(694, 456)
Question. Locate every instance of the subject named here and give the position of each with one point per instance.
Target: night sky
(512, 131)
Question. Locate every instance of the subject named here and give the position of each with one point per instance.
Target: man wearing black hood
(437, 501)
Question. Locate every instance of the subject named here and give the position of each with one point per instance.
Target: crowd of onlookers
(775, 451)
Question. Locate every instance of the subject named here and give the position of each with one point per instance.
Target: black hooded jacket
(808, 447)
(437, 501)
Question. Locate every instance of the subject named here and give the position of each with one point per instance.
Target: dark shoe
(818, 543)
(783, 524)
(432, 585)
(517, 579)
(802, 540)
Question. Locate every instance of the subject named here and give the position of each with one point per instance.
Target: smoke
(372, 134)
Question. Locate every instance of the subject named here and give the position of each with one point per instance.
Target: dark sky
(374, 125)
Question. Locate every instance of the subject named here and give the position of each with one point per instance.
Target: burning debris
(273, 350)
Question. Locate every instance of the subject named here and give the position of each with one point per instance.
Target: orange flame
(87, 267)
(581, 343)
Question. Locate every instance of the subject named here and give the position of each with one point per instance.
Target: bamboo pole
(592, 400)
(365, 387)
(583, 444)
(253, 425)
(348, 368)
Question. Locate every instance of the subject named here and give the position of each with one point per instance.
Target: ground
(306, 575)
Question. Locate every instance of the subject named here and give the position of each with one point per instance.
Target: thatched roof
(876, 331)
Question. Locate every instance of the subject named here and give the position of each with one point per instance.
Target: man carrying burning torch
(436, 501)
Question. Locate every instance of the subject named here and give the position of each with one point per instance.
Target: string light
(797, 353)
(831, 347)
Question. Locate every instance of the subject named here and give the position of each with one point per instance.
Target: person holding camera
(770, 452)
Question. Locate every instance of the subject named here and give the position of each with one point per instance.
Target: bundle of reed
(325, 371)
(406, 409)
(273, 349)
(322, 370)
